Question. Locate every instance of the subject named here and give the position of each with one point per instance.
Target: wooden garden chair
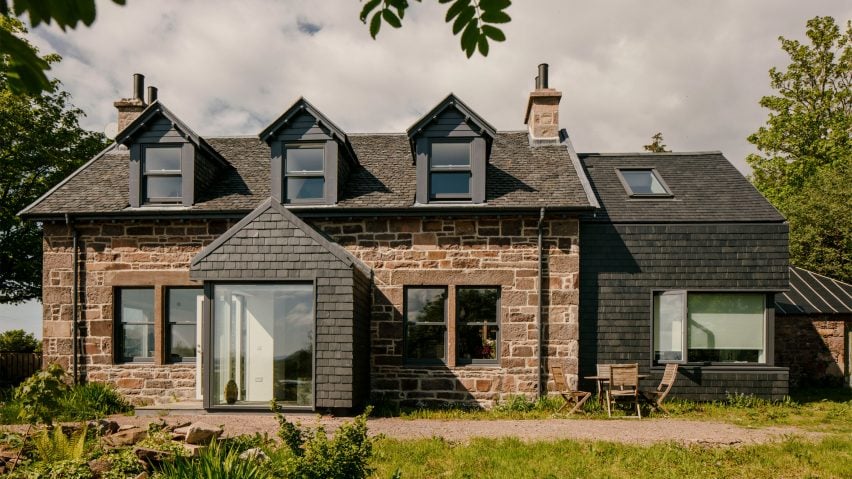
(623, 384)
(570, 395)
(602, 372)
(655, 398)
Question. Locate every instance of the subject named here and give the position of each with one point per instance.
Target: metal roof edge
(49, 192)
(578, 168)
(648, 153)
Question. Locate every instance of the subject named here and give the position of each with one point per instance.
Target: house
(813, 331)
(450, 263)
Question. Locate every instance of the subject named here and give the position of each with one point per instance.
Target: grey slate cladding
(271, 244)
(517, 176)
(812, 293)
(622, 264)
(706, 188)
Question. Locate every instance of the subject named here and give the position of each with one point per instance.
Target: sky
(693, 70)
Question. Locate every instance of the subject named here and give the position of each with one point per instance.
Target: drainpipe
(75, 293)
(540, 316)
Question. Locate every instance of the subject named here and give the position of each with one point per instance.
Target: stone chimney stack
(130, 108)
(542, 115)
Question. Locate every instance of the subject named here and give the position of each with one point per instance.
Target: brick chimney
(130, 108)
(542, 115)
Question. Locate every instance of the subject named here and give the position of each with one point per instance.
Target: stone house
(450, 263)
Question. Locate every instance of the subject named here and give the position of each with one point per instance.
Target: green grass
(511, 458)
(823, 410)
(81, 402)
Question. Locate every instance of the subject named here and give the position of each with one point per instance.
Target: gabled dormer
(169, 163)
(311, 156)
(451, 144)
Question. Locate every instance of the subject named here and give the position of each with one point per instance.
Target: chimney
(130, 108)
(542, 115)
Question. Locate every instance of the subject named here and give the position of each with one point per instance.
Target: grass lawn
(510, 458)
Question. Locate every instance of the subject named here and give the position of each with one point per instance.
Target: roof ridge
(648, 153)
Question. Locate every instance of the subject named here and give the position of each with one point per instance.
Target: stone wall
(483, 252)
(813, 347)
(149, 253)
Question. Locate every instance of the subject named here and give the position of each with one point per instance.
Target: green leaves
(475, 20)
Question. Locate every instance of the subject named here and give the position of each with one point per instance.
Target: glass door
(263, 349)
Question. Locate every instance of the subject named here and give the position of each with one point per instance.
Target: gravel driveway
(644, 431)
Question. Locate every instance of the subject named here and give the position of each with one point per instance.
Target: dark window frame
(654, 173)
(163, 173)
(768, 327)
(497, 322)
(451, 169)
(405, 326)
(306, 174)
(118, 325)
(167, 324)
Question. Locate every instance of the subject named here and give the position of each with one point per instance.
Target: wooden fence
(15, 367)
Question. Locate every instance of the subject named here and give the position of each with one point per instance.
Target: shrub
(91, 401)
(310, 454)
(122, 464)
(66, 469)
(39, 395)
(57, 446)
(217, 461)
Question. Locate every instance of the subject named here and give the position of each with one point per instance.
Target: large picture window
(263, 344)
(182, 318)
(709, 327)
(304, 173)
(134, 309)
(450, 171)
(426, 324)
(477, 324)
(162, 174)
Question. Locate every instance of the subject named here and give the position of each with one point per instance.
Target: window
(182, 316)
(134, 309)
(304, 173)
(450, 171)
(263, 344)
(709, 327)
(162, 174)
(477, 324)
(426, 325)
(643, 182)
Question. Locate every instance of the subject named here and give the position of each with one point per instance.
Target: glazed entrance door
(263, 349)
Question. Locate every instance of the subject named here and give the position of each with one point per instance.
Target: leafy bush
(217, 461)
(39, 395)
(310, 454)
(57, 446)
(92, 401)
(245, 442)
(66, 469)
(161, 440)
(122, 464)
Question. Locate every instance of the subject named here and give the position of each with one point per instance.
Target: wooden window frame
(451, 169)
(307, 174)
(161, 174)
(496, 323)
(118, 336)
(168, 323)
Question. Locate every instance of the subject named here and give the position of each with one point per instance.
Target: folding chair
(570, 395)
(655, 398)
(623, 384)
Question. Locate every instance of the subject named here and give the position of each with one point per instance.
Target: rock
(125, 427)
(194, 450)
(254, 453)
(127, 437)
(202, 433)
(99, 466)
(178, 437)
(152, 456)
(181, 430)
(104, 427)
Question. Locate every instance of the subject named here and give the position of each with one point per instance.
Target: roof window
(643, 182)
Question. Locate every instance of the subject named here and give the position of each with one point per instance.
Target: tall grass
(81, 402)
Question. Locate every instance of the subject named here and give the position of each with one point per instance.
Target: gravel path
(645, 431)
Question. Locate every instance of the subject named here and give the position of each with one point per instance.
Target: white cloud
(627, 69)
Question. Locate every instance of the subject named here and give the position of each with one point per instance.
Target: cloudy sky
(627, 69)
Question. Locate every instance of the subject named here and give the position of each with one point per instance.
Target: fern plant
(57, 446)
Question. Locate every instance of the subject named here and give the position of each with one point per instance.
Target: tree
(19, 341)
(805, 157)
(41, 142)
(474, 19)
(657, 145)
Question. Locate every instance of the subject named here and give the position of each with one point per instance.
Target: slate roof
(706, 187)
(812, 293)
(519, 176)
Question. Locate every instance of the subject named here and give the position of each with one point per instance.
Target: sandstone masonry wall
(484, 252)
(813, 347)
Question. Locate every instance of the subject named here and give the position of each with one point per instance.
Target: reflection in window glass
(449, 171)
(477, 324)
(450, 155)
(160, 159)
(668, 326)
(135, 310)
(182, 316)
(445, 184)
(162, 187)
(263, 341)
(305, 160)
(426, 324)
(643, 182)
(305, 188)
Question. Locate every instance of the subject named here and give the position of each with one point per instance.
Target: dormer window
(449, 171)
(162, 173)
(643, 183)
(304, 173)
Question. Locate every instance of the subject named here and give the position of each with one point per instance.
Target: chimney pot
(542, 116)
(138, 85)
(152, 94)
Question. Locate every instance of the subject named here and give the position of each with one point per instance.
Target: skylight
(643, 182)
